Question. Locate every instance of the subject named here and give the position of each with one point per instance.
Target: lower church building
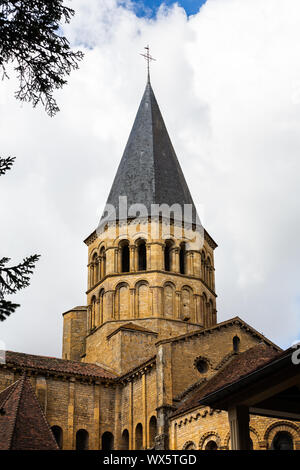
(140, 360)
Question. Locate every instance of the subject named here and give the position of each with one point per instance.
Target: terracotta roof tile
(57, 365)
(23, 425)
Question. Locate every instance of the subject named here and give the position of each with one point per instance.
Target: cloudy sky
(227, 79)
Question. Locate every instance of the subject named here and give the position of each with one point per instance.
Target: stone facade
(148, 335)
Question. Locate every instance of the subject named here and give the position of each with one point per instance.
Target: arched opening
(142, 256)
(107, 441)
(167, 255)
(82, 440)
(182, 259)
(208, 272)
(203, 265)
(96, 271)
(125, 259)
(93, 312)
(122, 302)
(103, 262)
(152, 431)
(58, 435)
(282, 441)
(190, 446)
(101, 298)
(236, 344)
(125, 440)
(139, 437)
(211, 445)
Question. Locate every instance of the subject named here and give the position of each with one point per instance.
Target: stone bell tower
(150, 261)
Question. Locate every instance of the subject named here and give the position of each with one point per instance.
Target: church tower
(150, 261)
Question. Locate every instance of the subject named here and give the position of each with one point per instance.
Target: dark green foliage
(31, 39)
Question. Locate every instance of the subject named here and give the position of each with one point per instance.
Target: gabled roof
(132, 327)
(239, 366)
(57, 365)
(149, 171)
(23, 425)
(232, 321)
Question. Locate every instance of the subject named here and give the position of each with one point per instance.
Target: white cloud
(227, 81)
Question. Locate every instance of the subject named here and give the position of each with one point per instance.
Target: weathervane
(148, 58)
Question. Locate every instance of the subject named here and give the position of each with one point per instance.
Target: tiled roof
(54, 364)
(239, 366)
(23, 425)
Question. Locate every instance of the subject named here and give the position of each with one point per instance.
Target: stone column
(133, 262)
(96, 439)
(178, 304)
(132, 303)
(164, 395)
(175, 259)
(69, 442)
(148, 256)
(238, 417)
(144, 395)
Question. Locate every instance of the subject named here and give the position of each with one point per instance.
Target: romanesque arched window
(93, 312)
(143, 302)
(107, 441)
(236, 344)
(125, 257)
(282, 441)
(182, 259)
(152, 431)
(167, 255)
(122, 301)
(186, 304)
(102, 262)
(139, 437)
(125, 440)
(169, 300)
(211, 445)
(203, 265)
(142, 255)
(82, 440)
(101, 299)
(95, 269)
(208, 272)
(58, 435)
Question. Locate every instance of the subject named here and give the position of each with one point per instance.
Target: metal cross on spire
(148, 58)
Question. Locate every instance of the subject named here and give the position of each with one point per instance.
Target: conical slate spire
(149, 171)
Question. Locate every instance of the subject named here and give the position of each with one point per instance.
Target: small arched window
(139, 437)
(82, 440)
(211, 445)
(152, 431)
(142, 256)
(282, 441)
(182, 259)
(103, 262)
(93, 312)
(58, 435)
(125, 440)
(125, 259)
(167, 255)
(95, 269)
(107, 441)
(236, 344)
